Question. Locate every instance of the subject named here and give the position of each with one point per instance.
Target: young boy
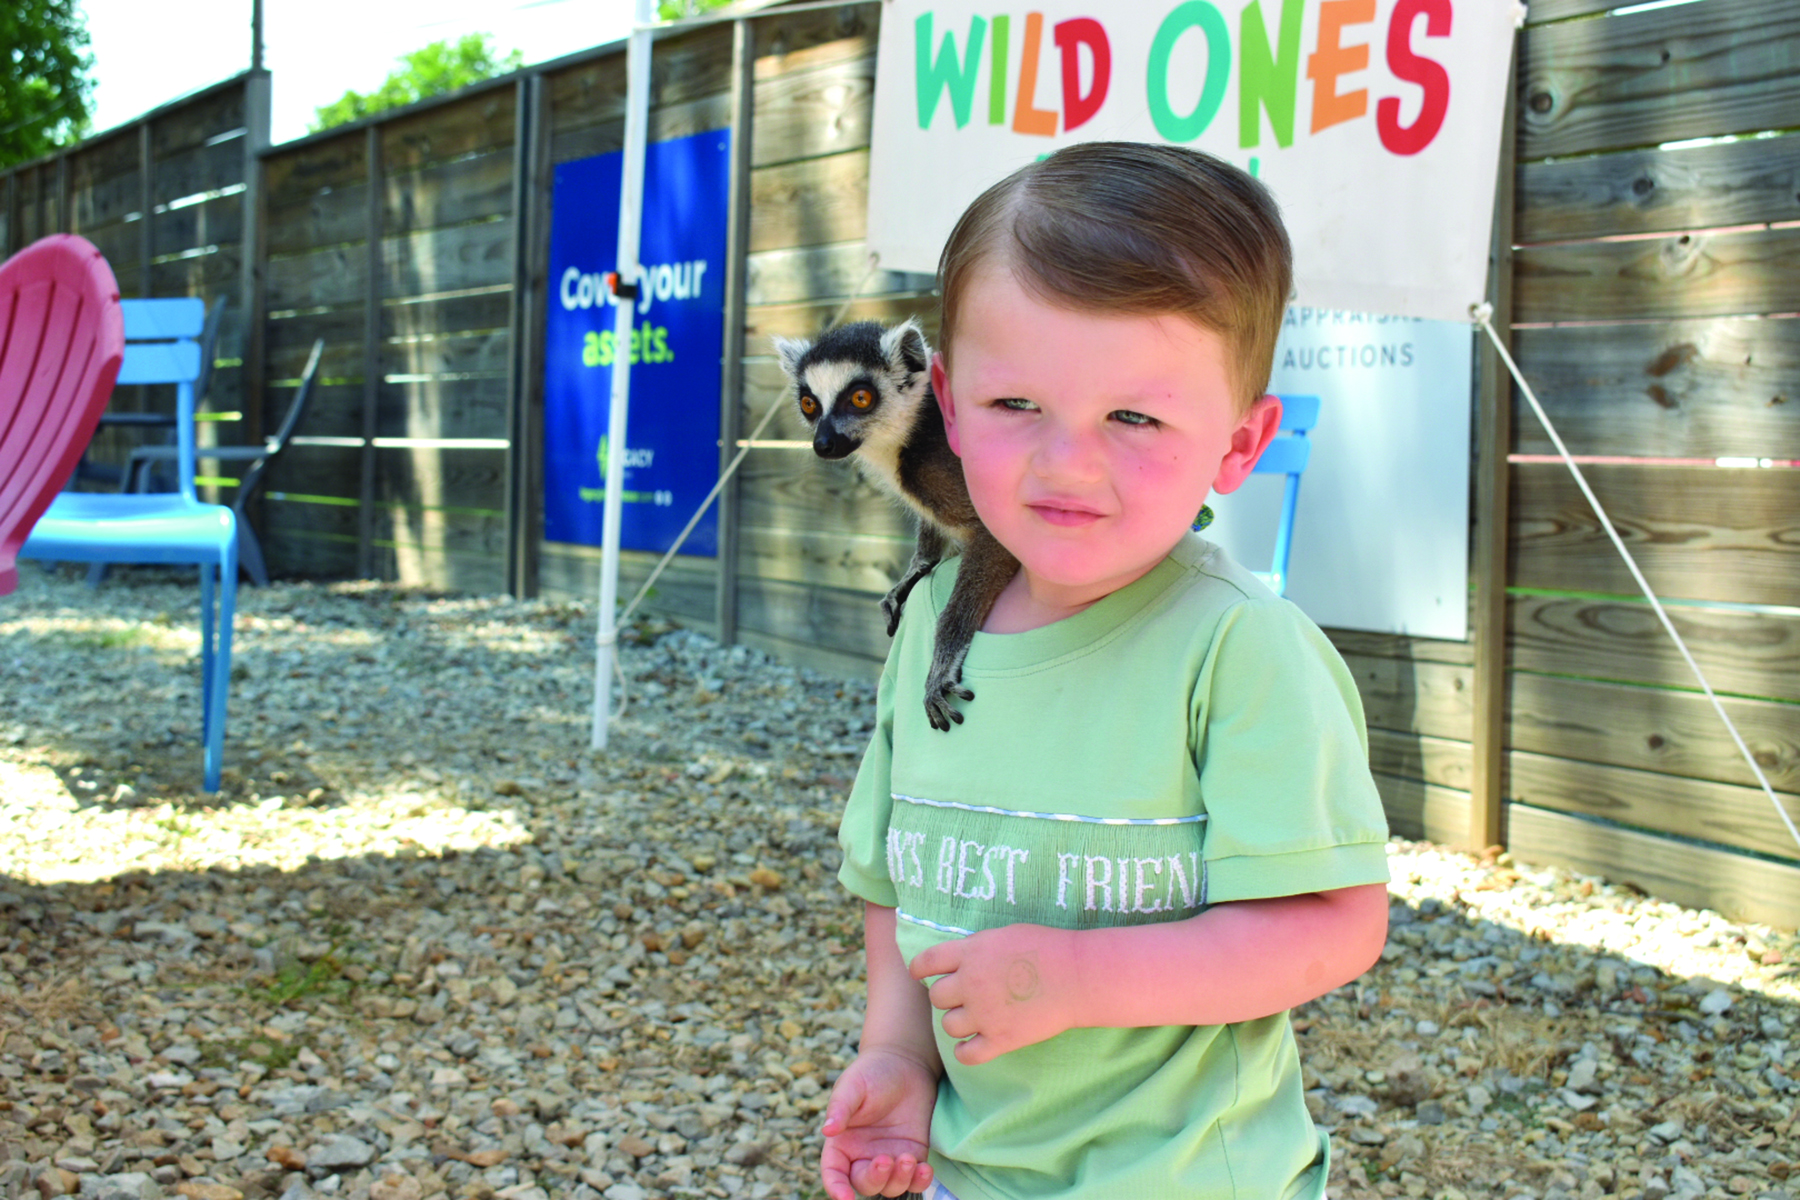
(1155, 831)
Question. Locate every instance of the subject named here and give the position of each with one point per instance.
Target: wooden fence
(1651, 290)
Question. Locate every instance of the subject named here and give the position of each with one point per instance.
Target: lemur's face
(857, 385)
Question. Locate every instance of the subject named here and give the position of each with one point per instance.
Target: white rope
(724, 477)
(1483, 314)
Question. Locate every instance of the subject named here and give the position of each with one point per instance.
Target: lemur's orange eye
(809, 406)
(861, 398)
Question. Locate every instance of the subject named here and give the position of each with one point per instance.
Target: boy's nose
(1068, 454)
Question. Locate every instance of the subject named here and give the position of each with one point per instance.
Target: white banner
(1376, 123)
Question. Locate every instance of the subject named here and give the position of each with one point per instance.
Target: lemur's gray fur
(866, 391)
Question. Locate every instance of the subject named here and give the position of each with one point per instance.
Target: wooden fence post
(1487, 800)
(731, 375)
(251, 297)
(365, 535)
(524, 475)
(146, 208)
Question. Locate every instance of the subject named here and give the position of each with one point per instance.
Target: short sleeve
(1282, 754)
(863, 831)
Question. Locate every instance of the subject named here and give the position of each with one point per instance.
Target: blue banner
(672, 435)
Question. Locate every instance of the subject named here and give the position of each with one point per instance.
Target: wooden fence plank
(1661, 75)
(103, 176)
(1399, 645)
(215, 222)
(206, 168)
(683, 68)
(1745, 653)
(864, 563)
(684, 591)
(1650, 191)
(809, 318)
(482, 120)
(441, 478)
(795, 489)
(435, 568)
(842, 622)
(787, 276)
(810, 203)
(1711, 533)
(1442, 762)
(297, 174)
(316, 220)
(1689, 275)
(1733, 884)
(1424, 810)
(1414, 697)
(213, 271)
(813, 112)
(1648, 729)
(446, 260)
(449, 193)
(665, 124)
(336, 275)
(442, 408)
(198, 119)
(1542, 11)
(1714, 812)
(1680, 389)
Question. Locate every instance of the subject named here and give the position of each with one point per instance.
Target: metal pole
(256, 35)
(631, 198)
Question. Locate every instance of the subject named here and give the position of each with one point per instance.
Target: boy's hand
(878, 1127)
(1002, 988)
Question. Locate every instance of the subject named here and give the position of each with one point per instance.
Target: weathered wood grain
(432, 261)
(810, 203)
(1698, 533)
(295, 174)
(1426, 698)
(682, 68)
(1687, 275)
(103, 181)
(215, 111)
(1649, 729)
(788, 276)
(665, 123)
(442, 408)
(336, 275)
(854, 562)
(795, 489)
(1424, 810)
(204, 168)
(842, 622)
(1702, 877)
(1714, 812)
(1542, 11)
(1398, 645)
(842, 35)
(1652, 191)
(1441, 762)
(441, 478)
(811, 318)
(212, 271)
(1661, 75)
(813, 111)
(215, 222)
(1676, 389)
(483, 120)
(434, 568)
(1746, 653)
(684, 591)
(448, 193)
(456, 531)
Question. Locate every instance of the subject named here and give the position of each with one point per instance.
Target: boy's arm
(878, 1121)
(1019, 984)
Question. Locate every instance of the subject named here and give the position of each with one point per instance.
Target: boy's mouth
(1055, 513)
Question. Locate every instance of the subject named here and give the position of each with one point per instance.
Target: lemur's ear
(904, 345)
(790, 351)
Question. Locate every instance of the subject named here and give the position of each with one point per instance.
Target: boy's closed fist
(878, 1127)
(1001, 989)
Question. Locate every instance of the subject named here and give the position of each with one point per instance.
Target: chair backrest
(162, 346)
(62, 340)
(1287, 454)
(302, 394)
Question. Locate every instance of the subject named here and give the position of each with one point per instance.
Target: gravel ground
(425, 944)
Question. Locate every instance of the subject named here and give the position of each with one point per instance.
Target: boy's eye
(1015, 404)
(1126, 417)
(809, 405)
(861, 398)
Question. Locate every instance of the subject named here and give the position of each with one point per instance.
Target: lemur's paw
(938, 709)
(891, 608)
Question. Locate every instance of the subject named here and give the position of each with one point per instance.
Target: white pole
(631, 204)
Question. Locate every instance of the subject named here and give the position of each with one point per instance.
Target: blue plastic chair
(1287, 454)
(171, 527)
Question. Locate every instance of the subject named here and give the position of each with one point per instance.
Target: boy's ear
(1252, 436)
(940, 387)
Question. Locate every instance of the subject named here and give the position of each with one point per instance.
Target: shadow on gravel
(425, 944)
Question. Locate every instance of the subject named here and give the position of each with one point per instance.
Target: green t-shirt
(1188, 740)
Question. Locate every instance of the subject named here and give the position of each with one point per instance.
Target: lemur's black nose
(829, 443)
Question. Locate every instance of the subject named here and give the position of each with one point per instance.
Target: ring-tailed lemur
(866, 391)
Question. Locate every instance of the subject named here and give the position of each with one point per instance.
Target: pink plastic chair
(62, 339)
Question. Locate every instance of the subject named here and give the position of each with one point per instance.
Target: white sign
(1381, 532)
(1376, 123)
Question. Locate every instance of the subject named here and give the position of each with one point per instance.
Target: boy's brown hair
(1141, 229)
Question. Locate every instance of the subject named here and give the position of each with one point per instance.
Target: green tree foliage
(438, 68)
(682, 10)
(44, 87)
